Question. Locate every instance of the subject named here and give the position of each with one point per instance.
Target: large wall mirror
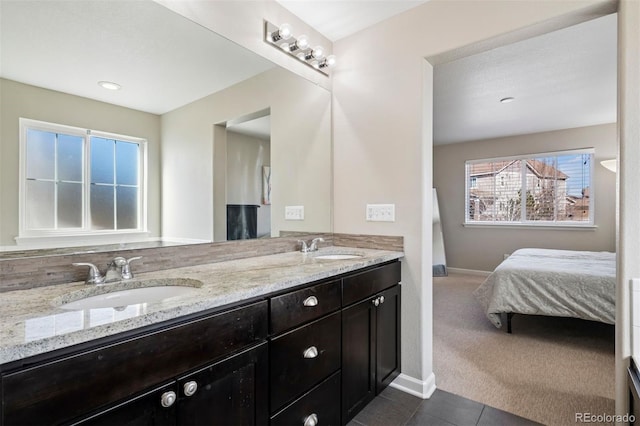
(230, 140)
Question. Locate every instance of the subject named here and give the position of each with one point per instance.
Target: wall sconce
(298, 47)
(609, 164)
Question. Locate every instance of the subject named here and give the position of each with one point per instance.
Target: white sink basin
(127, 293)
(337, 256)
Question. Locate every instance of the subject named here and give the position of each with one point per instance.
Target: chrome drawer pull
(167, 399)
(381, 300)
(310, 301)
(311, 352)
(376, 301)
(311, 420)
(190, 388)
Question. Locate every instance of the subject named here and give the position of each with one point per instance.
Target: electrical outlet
(381, 212)
(294, 213)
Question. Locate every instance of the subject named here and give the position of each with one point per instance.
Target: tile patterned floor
(393, 407)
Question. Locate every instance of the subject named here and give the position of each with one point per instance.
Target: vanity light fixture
(298, 47)
(109, 85)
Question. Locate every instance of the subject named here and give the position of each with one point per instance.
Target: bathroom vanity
(281, 339)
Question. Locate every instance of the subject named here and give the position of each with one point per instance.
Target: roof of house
(540, 169)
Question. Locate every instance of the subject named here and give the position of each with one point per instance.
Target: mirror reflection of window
(77, 182)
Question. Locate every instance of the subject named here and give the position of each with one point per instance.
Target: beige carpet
(547, 370)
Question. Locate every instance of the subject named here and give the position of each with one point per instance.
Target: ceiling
(559, 80)
(161, 59)
(563, 79)
(336, 19)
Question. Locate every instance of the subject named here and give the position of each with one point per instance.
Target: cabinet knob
(311, 352)
(376, 301)
(381, 300)
(167, 399)
(311, 420)
(310, 301)
(190, 388)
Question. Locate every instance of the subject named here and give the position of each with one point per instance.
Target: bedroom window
(541, 189)
(79, 182)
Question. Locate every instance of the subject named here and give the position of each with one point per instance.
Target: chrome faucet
(304, 248)
(314, 244)
(118, 269)
(94, 276)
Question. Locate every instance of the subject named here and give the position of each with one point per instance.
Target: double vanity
(290, 338)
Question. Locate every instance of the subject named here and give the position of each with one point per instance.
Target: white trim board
(415, 387)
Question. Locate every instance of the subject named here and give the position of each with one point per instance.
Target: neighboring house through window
(547, 189)
(76, 181)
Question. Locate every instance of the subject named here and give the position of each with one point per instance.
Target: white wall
(462, 243)
(300, 154)
(383, 139)
(628, 238)
(246, 156)
(22, 100)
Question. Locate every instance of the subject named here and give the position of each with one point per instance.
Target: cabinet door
(232, 391)
(388, 338)
(146, 409)
(358, 358)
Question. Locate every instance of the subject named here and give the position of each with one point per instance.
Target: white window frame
(44, 237)
(523, 222)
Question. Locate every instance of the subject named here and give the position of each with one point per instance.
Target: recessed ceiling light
(109, 85)
(507, 100)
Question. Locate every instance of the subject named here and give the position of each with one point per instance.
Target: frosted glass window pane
(70, 158)
(127, 207)
(69, 205)
(126, 163)
(102, 207)
(40, 154)
(102, 158)
(40, 204)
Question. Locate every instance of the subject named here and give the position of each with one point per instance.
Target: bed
(562, 283)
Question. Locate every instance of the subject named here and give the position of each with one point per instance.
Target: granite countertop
(32, 323)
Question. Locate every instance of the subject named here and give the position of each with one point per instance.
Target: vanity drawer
(321, 403)
(304, 357)
(69, 387)
(359, 286)
(297, 307)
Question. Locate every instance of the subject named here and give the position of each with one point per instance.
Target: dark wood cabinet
(370, 337)
(358, 358)
(388, 338)
(316, 355)
(96, 378)
(230, 392)
(142, 410)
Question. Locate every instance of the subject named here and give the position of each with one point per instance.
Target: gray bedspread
(563, 283)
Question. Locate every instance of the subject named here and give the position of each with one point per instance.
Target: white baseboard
(469, 271)
(415, 387)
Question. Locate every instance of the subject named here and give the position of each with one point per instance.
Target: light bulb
(302, 42)
(331, 60)
(318, 52)
(285, 31)
(285, 47)
(315, 64)
(302, 56)
(109, 85)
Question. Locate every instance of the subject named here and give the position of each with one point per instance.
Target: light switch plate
(381, 212)
(294, 213)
